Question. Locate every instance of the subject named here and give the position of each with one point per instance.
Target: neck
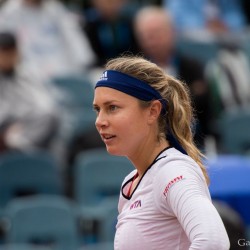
(146, 155)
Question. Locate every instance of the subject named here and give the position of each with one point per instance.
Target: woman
(146, 115)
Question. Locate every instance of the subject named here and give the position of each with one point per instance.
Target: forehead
(153, 23)
(105, 94)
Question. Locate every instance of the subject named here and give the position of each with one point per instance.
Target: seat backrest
(27, 246)
(28, 173)
(98, 246)
(78, 103)
(82, 121)
(78, 88)
(43, 220)
(200, 50)
(233, 129)
(98, 175)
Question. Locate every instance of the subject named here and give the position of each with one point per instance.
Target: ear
(154, 111)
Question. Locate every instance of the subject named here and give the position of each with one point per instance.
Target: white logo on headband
(104, 76)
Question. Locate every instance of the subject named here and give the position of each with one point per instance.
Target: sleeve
(183, 193)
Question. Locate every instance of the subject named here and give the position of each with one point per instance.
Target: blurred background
(58, 186)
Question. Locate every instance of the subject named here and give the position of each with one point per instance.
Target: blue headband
(131, 86)
(138, 89)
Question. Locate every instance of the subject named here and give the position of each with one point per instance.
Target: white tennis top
(170, 209)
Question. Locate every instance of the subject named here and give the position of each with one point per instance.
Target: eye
(113, 108)
(96, 109)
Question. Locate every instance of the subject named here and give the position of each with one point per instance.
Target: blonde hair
(179, 117)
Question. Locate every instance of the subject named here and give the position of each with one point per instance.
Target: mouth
(107, 137)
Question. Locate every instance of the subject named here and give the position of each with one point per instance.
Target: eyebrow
(105, 103)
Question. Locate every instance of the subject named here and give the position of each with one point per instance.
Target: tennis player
(146, 115)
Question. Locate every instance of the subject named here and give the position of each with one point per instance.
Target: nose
(101, 121)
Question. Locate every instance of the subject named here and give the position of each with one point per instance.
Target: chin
(114, 151)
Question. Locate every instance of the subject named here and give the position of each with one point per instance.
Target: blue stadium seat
(78, 102)
(45, 220)
(199, 50)
(98, 175)
(233, 128)
(79, 89)
(97, 181)
(28, 173)
(98, 246)
(24, 247)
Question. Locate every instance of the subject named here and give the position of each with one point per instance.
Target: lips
(107, 137)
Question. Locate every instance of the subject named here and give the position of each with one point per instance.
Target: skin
(126, 128)
(8, 59)
(33, 3)
(155, 35)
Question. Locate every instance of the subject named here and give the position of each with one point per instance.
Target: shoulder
(177, 177)
(174, 161)
(175, 167)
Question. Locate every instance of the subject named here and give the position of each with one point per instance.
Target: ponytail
(180, 119)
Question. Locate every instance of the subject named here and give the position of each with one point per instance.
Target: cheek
(132, 122)
(134, 127)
